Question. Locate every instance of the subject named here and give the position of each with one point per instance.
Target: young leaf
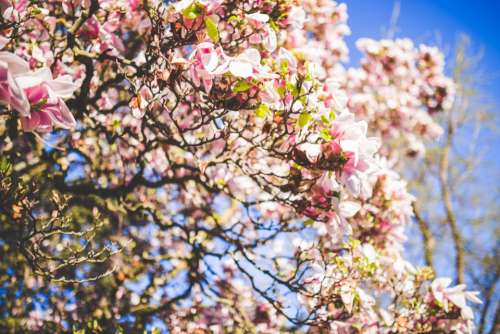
(192, 11)
(262, 111)
(325, 134)
(304, 118)
(241, 86)
(212, 29)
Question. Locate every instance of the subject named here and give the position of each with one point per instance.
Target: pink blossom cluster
(399, 87)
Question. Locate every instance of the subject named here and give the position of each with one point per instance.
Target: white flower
(456, 295)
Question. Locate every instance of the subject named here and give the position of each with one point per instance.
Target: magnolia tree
(212, 167)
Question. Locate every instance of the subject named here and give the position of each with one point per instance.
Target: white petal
(348, 209)
(467, 313)
(312, 151)
(442, 282)
(181, 5)
(251, 55)
(351, 146)
(472, 296)
(3, 41)
(240, 68)
(271, 42)
(259, 17)
(63, 86)
(16, 64)
(347, 298)
(458, 299)
(34, 78)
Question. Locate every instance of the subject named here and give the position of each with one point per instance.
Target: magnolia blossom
(204, 61)
(46, 95)
(456, 295)
(35, 95)
(245, 65)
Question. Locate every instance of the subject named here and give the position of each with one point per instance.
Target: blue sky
(430, 21)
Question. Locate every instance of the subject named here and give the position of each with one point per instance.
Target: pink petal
(207, 56)
(207, 83)
(30, 123)
(37, 93)
(59, 114)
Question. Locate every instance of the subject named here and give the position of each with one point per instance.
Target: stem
(427, 236)
(447, 203)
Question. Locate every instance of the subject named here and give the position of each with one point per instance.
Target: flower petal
(16, 64)
(348, 209)
(34, 78)
(251, 55)
(63, 86)
(240, 69)
(3, 41)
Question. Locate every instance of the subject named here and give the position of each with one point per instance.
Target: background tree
(454, 199)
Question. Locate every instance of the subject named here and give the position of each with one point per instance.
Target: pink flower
(45, 95)
(35, 95)
(204, 62)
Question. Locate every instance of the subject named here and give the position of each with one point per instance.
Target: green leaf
(292, 89)
(284, 67)
(324, 133)
(309, 222)
(192, 11)
(332, 115)
(212, 29)
(281, 91)
(308, 77)
(4, 165)
(274, 26)
(354, 242)
(304, 118)
(232, 18)
(262, 111)
(241, 86)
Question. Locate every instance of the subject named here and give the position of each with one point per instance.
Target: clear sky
(437, 21)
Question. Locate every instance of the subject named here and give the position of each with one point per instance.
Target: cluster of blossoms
(212, 131)
(398, 88)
